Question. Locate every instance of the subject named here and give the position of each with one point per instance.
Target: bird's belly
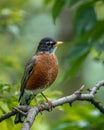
(44, 73)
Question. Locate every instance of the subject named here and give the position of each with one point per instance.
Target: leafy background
(80, 24)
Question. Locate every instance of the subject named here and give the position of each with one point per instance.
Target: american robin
(40, 72)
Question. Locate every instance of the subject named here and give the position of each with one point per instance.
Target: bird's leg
(49, 102)
(38, 105)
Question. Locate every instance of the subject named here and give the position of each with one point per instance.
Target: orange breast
(44, 72)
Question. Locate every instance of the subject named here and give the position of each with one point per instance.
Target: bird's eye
(48, 43)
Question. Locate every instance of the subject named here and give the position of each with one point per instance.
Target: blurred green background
(80, 24)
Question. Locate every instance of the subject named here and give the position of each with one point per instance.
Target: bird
(39, 73)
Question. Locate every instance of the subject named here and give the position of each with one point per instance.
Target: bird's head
(48, 45)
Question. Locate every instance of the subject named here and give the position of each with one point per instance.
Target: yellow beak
(58, 43)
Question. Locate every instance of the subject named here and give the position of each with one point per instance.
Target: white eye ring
(51, 42)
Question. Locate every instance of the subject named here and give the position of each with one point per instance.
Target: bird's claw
(51, 105)
(40, 108)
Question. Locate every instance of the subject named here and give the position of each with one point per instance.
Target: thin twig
(13, 112)
(18, 110)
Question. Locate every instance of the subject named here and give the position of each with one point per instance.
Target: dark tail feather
(19, 118)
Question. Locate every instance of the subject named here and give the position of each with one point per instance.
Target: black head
(47, 45)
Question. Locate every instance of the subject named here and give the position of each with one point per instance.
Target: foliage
(84, 120)
(87, 40)
(89, 34)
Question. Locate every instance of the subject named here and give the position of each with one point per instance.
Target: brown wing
(28, 71)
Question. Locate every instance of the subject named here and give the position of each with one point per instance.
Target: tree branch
(32, 112)
(13, 112)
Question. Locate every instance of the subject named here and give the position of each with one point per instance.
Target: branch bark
(32, 112)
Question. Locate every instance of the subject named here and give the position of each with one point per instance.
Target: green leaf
(77, 55)
(10, 17)
(76, 66)
(57, 7)
(78, 51)
(97, 31)
(46, 2)
(85, 18)
(99, 47)
(72, 2)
